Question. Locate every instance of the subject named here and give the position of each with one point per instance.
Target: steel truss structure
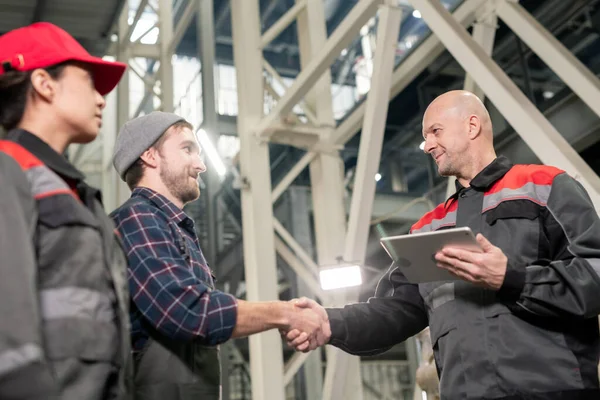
(337, 237)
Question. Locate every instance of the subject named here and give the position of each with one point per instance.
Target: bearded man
(178, 318)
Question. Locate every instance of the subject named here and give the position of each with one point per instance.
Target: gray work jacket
(64, 331)
(535, 338)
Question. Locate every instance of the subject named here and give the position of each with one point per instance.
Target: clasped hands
(308, 326)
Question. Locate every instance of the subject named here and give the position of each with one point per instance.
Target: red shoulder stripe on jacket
(439, 217)
(44, 182)
(21, 155)
(522, 182)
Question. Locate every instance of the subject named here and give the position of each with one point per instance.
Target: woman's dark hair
(15, 86)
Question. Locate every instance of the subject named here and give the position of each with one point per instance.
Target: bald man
(520, 320)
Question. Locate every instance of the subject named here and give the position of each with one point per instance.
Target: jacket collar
(56, 162)
(487, 177)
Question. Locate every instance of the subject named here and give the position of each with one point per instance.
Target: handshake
(307, 325)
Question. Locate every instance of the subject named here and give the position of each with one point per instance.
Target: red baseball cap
(43, 45)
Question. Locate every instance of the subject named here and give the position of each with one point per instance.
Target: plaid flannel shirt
(170, 282)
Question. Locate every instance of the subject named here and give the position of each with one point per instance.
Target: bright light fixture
(210, 150)
(377, 177)
(340, 277)
(416, 14)
(422, 146)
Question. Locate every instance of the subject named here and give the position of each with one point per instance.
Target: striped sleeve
(23, 372)
(569, 284)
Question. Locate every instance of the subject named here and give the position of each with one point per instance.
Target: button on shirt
(170, 283)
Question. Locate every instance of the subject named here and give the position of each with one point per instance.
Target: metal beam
(300, 269)
(310, 115)
(293, 366)
(145, 50)
(283, 22)
(149, 80)
(548, 144)
(564, 63)
(266, 353)
(294, 245)
(326, 170)
(368, 164)
(205, 39)
(270, 90)
(407, 71)
(329, 51)
(123, 52)
(126, 38)
(165, 19)
(484, 33)
(298, 135)
(291, 175)
(146, 32)
(191, 9)
(369, 152)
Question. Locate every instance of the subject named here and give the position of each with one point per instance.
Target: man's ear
(43, 84)
(474, 126)
(150, 157)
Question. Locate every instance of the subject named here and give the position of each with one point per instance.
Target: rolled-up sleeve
(163, 286)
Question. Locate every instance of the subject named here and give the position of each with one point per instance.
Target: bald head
(458, 133)
(463, 104)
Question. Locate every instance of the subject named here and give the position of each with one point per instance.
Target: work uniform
(535, 338)
(64, 331)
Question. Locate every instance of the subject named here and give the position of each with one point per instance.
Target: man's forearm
(256, 317)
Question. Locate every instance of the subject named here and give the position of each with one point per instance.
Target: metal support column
(326, 174)
(368, 164)
(165, 21)
(564, 63)
(484, 33)
(205, 39)
(266, 353)
(122, 192)
(544, 140)
(312, 371)
(108, 135)
(206, 47)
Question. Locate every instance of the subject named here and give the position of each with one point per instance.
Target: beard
(448, 167)
(179, 184)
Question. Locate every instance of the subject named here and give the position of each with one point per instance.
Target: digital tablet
(415, 253)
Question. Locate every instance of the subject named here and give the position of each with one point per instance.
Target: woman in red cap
(63, 297)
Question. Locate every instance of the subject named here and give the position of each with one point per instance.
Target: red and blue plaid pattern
(170, 282)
